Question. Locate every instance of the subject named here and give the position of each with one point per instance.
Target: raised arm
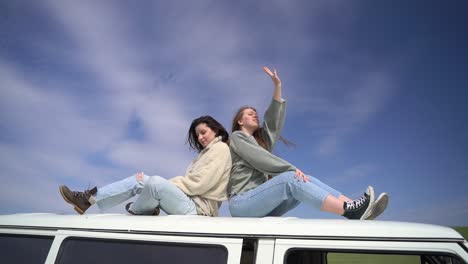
(276, 81)
(273, 120)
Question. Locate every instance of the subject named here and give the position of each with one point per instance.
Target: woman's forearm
(277, 93)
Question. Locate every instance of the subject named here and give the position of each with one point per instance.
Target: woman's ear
(240, 123)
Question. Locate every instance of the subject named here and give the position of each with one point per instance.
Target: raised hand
(273, 75)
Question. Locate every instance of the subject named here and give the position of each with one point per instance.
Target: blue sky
(93, 91)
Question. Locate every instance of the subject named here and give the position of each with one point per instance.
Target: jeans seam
(257, 193)
(300, 186)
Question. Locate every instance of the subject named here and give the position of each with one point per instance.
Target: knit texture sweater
(206, 178)
(252, 164)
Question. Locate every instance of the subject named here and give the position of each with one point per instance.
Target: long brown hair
(210, 122)
(258, 135)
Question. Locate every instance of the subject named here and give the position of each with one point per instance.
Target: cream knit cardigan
(206, 178)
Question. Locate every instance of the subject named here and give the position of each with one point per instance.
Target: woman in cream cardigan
(200, 191)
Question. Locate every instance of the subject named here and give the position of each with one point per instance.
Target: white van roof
(287, 227)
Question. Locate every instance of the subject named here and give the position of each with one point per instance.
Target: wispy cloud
(451, 212)
(364, 102)
(334, 117)
(354, 173)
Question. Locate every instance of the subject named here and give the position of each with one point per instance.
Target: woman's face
(204, 134)
(249, 119)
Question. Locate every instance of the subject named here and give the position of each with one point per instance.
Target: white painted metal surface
(229, 226)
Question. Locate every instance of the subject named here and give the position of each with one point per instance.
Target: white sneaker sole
(366, 214)
(379, 206)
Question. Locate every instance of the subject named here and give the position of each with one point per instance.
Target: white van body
(111, 238)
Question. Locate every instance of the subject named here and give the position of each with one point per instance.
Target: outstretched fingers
(273, 75)
(268, 71)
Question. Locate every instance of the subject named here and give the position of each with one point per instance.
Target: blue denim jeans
(279, 195)
(153, 191)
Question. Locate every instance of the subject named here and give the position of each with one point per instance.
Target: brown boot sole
(77, 209)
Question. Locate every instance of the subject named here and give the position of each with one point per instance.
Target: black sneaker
(80, 200)
(127, 208)
(379, 206)
(360, 208)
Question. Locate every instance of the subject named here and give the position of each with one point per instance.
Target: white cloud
(45, 118)
(451, 212)
(363, 105)
(338, 116)
(354, 173)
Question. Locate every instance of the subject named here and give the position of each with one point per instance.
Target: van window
(303, 256)
(88, 250)
(13, 248)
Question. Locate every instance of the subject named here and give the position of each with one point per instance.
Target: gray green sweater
(251, 164)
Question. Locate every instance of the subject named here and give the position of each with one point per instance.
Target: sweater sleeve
(273, 120)
(206, 171)
(256, 156)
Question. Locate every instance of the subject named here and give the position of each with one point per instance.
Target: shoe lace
(80, 194)
(83, 195)
(356, 203)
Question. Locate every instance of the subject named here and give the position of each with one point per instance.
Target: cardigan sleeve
(206, 172)
(256, 156)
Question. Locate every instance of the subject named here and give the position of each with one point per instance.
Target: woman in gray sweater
(253, 194)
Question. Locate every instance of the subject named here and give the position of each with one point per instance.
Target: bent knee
(288, 177)
(157, 182)
(140, 177)
(291, 179)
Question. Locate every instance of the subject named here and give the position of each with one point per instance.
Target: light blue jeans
(153, 191)
(279, 195)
